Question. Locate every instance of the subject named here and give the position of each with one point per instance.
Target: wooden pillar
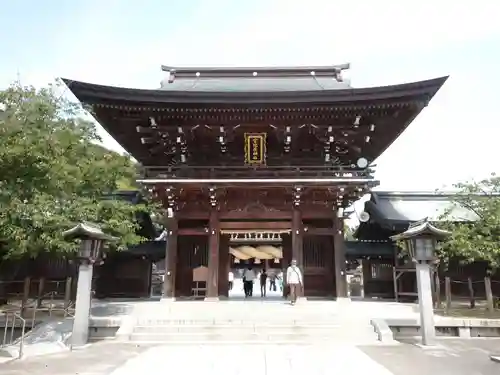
(340, 265)
(170, 258)
(224, 266)
(297, 249)
(213, 256)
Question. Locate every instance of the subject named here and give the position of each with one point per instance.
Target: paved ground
(255, 359)
(97, 359)
(452, 357)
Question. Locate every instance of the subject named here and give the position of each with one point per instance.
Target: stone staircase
(247, 323)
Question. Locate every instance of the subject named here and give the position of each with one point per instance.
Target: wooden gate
(192, 252)
(318, 262)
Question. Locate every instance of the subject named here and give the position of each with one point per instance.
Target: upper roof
(257, 79)
(312, 84)
(312, 105)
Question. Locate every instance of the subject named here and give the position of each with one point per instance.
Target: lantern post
(420, 240)
(91, 239)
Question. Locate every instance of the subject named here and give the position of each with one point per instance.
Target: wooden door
(319, 273)
(192, 252)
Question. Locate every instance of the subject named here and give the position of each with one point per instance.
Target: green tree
(479, 239)
(53, 174)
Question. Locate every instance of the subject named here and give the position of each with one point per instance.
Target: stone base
(212, 299)
(343, 300)
(167, 299)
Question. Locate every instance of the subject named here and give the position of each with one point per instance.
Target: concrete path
(449, 357)
(97, 359)
(253, 359)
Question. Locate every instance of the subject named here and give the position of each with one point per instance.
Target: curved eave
(93, 94)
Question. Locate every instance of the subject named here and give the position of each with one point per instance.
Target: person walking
(263, 281)
(248, 279)
(230, 278)
(294, 280)
(279, 278)
(272, 282)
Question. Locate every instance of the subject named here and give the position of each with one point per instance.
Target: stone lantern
(92, 239)
(420, 240)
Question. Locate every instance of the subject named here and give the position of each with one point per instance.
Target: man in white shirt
(294, 280)
(230, 278)
(248, 278)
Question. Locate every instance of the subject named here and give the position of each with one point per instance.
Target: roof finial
(338, 74)
(171, 77)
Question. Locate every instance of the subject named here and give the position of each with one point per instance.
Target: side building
(123, 274)
(385, 273)
(261, 157)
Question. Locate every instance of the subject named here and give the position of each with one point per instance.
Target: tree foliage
(53, 174)
(479, 239)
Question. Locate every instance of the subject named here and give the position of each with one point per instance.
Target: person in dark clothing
(272, 282)
(263, 279)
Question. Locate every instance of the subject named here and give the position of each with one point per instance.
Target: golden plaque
(255, 148)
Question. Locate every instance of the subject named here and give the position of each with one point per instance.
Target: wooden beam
(320, 231)
(192, 215)
(307, 213)
(256, 215)
(263, 225)
(193, 231)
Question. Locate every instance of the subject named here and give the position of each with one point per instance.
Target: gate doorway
(255, 265)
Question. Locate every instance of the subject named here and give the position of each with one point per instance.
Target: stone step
(184, 328)
(242, 322)
(341, 335)
(284, 342)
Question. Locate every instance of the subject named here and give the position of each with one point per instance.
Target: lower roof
(393, 208)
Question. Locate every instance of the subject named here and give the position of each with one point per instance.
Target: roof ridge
(251, 69)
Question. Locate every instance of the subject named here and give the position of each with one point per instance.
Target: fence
(30, 293)
(468, 291)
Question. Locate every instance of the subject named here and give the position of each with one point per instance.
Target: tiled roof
(413, 206)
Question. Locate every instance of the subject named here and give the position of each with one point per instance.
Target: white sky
(386, 41)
